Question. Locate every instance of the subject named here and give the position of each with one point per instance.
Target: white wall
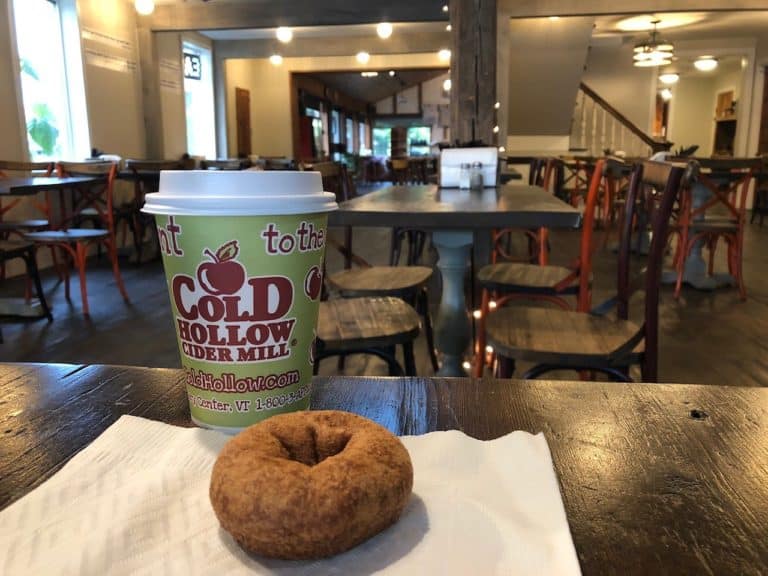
(113, 97)
(629, 89)
(271, 128)
(691, 114)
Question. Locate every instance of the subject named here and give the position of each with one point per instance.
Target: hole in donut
(313, 444)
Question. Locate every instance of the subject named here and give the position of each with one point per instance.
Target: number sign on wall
(192, 66)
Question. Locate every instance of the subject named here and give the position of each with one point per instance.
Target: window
(362, 136)
(198, 97)
(350, 135)
(382, 141)
(418, 140)
(51, 84)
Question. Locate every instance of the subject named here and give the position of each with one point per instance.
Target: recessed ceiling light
(447, 84)
(384, 30)
(705, 64)
(668, 20)
(444, 55)
(276, 59)
(448, 27)
(284, 34)
(391, 73)
(666, 94)
(363, 57)
(144, 7)
(669, 78)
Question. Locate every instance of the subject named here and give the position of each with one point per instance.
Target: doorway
(198, 101)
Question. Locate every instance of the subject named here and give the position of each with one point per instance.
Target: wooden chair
(505, 281)
(16, 226)
(400, 171)
(11, 249)
(723, 215)
(146, 179)
(558, 339)
(375, 326)
(74, 242)
(365, 280)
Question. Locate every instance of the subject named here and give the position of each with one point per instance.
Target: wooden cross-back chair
(722, 216)
(95, 200)
(16, 226)
(506, 281)
(593, 342)
(146, 179)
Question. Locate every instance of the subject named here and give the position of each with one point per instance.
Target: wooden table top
(26, 186)
(427, 206)
(655, 478)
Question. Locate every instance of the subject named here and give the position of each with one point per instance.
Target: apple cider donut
(312, 484)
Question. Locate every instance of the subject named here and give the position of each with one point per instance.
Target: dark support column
(473, 70)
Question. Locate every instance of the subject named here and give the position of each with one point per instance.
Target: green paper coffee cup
(243, 257)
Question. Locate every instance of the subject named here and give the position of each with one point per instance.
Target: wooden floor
(706, 337)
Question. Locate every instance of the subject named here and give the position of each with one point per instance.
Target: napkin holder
(451, 160)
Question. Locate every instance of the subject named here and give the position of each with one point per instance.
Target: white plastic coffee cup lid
(239, 193)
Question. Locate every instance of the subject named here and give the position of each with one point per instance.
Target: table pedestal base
(452, 325)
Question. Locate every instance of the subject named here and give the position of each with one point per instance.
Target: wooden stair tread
(553, 336)
(72, 235)
(355, 323)
(380, 279)
(511, 275)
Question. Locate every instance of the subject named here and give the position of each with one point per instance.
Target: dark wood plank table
(454, 216)
(656, 478)
(27, 186)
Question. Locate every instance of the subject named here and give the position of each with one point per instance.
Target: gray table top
(34, 184)
(515, 206)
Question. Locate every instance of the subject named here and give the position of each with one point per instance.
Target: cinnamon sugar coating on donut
(310, 484)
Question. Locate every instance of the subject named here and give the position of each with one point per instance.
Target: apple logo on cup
(313, 283)
(224, 275)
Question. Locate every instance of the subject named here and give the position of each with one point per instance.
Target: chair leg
(505, 367)
(423, 305)
(116, 268)
(480, 346)
(80, 262)
(34, 274)
(738, 258)
(408, 359)
(619, 374)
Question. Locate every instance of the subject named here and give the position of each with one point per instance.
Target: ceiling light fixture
(447, 84)
(705, 63)
(284, 34)
(384, 30)
(554, 18)
(276, 59)
(654, 51)
(669, 78)
(666, 94)
(363, 57)
(448, 27)
(391, 73)
(371, 74)
(144, 7)
(444, 55)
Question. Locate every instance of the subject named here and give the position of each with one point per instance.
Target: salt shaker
(476, 176)
(464, 175)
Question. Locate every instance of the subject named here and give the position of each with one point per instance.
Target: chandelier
(654, 51)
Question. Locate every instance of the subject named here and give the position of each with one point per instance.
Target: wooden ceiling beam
(269, 13)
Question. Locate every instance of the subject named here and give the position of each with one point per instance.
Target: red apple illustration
(224, 275)
(313, 283)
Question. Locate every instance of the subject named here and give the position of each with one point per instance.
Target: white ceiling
(707, 25)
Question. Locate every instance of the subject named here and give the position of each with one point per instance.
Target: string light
(492, 304)
(477, 314)
(284, 34)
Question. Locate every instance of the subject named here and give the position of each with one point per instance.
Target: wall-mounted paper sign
(192, 66)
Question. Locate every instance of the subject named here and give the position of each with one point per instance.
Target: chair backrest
(154, 165)
(729, 180)
(98, 195)
(334, 175)
(656, 184)
(43, 168)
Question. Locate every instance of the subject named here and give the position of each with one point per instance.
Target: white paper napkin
(136, 502)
